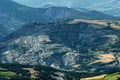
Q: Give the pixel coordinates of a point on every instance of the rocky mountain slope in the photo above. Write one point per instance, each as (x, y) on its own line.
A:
(100, 5)
(80, 46)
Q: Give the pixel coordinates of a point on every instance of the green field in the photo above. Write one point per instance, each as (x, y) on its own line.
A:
(113, 76)
(7, 74)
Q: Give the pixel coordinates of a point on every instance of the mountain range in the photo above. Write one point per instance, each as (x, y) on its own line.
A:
(107, 6)
(13, 15)
(111, 7)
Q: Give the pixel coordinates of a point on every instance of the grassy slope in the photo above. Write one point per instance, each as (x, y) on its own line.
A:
(100, 22)
(7, 74)
(113, 76)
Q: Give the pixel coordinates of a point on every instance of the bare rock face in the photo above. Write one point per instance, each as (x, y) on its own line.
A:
(80, 47)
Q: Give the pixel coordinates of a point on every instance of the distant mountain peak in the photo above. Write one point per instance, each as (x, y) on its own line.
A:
(49, 5)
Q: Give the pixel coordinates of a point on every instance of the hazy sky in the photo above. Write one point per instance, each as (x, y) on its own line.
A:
(67, 3)
(39, 3)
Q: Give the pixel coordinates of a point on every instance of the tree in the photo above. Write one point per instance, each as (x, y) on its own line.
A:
(118, 78)
(109, 24)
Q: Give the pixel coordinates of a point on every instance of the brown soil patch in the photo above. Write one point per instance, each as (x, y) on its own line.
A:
(104, 58)
(32, 72)
(94, 78)
(76, 66)
(89, 21)
(99, 22)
